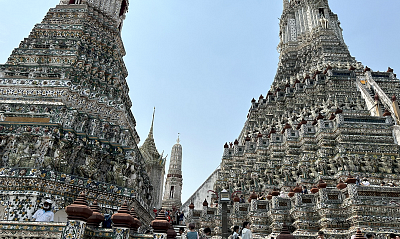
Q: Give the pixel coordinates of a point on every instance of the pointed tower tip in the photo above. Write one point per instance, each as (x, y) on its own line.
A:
(152, 124)
(178, 140)
(285, 4)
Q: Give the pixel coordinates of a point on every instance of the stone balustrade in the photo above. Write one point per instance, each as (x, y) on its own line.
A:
(30, 230)
(336, 212)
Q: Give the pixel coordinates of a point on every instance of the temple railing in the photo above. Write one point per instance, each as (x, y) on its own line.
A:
(382, 95)
(365, 95)
(31, 230)
(52, 230)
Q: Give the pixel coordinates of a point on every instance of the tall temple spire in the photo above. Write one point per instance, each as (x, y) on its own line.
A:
(113, 9)
(152, 124)
(173, 184)
(310, 39)
(149, 143)
(322, 120)
(155, 165)
(71, 76)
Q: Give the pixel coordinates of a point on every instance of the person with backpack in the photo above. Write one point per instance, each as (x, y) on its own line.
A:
(192, 234)
(246, 232)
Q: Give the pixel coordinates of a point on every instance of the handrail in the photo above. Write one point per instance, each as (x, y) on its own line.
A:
(382, 95)
(368, 99)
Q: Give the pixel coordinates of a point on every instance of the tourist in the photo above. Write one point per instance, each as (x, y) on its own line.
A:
(241, 200)
(107, 223)
(155, 211)
(246, 232)
(321, 235)
(383, 183)
(207, 233)
(304, 190)
(391, 184)
(45, 214)
(177, 217)
(365, 182)
(235, 234)
(181, 231)
(392, 236)
(192, 234)
(370, 235)
(282, 194)
(181, 216)
(358, 181)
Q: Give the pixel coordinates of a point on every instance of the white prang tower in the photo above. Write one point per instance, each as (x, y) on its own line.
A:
(173, 184)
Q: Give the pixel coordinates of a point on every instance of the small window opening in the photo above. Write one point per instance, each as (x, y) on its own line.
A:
(326, 125)
(293, 134)
(171, 192)
(321, 12)
(309, 129)
(277, 138)
(123, 8)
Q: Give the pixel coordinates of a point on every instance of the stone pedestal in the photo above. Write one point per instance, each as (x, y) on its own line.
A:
(160, 235)
(121, 233)
(74, 229)
(78, 213)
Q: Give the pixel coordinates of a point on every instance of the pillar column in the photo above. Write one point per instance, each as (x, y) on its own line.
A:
(160, 226)
(122, 222)
(78, 213)
(190, 216)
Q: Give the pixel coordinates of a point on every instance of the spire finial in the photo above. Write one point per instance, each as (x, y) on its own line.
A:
(285, 4)
(177, 141)
(152, 123)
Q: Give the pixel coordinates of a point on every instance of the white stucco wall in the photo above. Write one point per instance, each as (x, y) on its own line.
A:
(201, 193)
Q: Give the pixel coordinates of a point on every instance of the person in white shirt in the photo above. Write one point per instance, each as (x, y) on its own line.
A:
(246, 232)
(235, 232)
(45, 214)
(365, 182)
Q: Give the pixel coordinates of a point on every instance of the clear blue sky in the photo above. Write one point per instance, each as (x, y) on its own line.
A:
(200, 62)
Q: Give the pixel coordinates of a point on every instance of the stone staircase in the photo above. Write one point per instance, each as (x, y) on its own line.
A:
(176, 228)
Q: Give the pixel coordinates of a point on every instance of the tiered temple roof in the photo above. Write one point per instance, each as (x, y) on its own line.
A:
(325, 117)
(66, 123)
